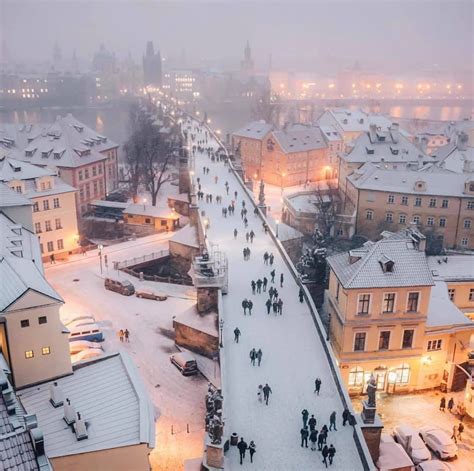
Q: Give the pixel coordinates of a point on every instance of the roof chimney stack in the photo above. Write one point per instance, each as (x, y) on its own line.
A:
(462, 141)
(80, 428)
(373, 132)
(56, 395)
(69, 413)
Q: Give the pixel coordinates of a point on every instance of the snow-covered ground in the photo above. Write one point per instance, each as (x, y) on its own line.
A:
(178, 400)
(293, 355)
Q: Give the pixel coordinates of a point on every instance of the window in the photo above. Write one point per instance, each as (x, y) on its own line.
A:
(444, 203)
(46, 205)
(364, 302)
(432, 203)
(148, 221)
(41, 248)
(95, 188)
(369, 214)
(408, 335)
(442, 222)
(402, 219)
(29, 354)
(163, 223)
(388, 302)
(403, 373)
(45, 350)
(36, 207)
(417, 201)
(434, 344)
(56, 203)
(47, 225)
(389, 217)
(430, 221)
(384, 340)
(37, 227)
(50, 246)
(42, 320)
(94, 171)
(81, 193)
(471, 294)
(60, 244)
(467, 224)
(25, 323)
(86, 173)
(416, 220)
(404, 200)
(100, 169)
(412, 305)
(470, 205)
(80, 175)
(57, 222)
(18, 189)
(356, 376)
(464, 241)
(451, 293)
(391, 199)
(359, 342)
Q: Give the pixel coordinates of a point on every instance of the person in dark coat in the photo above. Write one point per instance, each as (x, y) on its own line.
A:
(252, 450)
(331, 453)
(272, 274)
(275, 293)
(253, 285)
(324, 433)
(271, 258)
(305, 415)
(265, 258)
(332, 421)
(312, 423)
(275, 307)
(450, 405)
(304, 437)
(270, 292)
(267, 390)
(442, 404)
(259, 285)
(237, 334)
(250, 306)
(313, 437)
(253, 356)
(242, 446)
(345, 416)
(325, 455)
(320, 441)
(301, 295)
(259, 356)
(280, 306)
(265, 282)
(245, 305)
(269, 305)
(317, 385)
(281, 280)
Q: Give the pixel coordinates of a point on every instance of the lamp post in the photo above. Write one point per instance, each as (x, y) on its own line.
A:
(100, 247)
(221, 325)
(144, 202)
(277, 222)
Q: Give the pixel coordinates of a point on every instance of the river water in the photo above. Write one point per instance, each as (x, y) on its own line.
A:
(113, 121)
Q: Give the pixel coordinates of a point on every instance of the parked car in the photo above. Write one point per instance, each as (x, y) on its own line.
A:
(89, 332)
(408, 437)
(433, 465)
(86, 354)
(185, 363)
(438, 440)
(81, 320)
(148, 294)
(123, 286)
(76, 346)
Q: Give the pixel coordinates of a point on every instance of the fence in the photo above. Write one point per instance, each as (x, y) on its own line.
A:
(143, 259)
(161, 279)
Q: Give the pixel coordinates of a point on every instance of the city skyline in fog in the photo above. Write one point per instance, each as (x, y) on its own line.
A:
(400, 38)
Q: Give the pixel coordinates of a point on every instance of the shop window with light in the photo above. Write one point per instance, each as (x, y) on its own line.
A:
(356, 376)
(408, 335)
(363, 304)
(412, 304)
(403, 374)
(29, 354)
(434, 344)
(46, 350)
(359, 341)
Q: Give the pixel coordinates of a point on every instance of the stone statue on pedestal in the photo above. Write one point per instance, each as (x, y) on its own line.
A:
(261, 195)
(371, 390)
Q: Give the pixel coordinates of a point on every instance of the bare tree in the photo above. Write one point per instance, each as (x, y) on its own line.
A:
(267, 107)
(327, 210)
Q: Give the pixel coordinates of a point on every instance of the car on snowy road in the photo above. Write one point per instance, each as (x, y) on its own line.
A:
(433, 465)
(438, 441)
(148, 294)
(119, 286)
(185, 363)
(412, 443)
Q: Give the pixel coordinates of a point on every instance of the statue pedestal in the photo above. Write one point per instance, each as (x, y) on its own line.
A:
(368, 413)
(372, 432)
(214, 457)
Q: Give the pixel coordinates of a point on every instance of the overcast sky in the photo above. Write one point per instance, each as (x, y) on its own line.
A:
(393, 36)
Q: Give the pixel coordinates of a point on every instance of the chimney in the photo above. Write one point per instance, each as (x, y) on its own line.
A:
(373, 133)
(38, 441)
(31, 421)
(9, 399)
(80, 428)
(69, 413)
(462, 141)
(467, 166)
(395, 132)
(56, 395)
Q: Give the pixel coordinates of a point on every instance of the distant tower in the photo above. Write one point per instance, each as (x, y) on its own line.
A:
(151, 66)
(75, 67)
(247, 64)
(57, 55)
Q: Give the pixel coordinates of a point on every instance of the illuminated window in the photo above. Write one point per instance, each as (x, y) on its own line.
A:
(45, 350)
(356, 376)
(29, 354)
(403, 373)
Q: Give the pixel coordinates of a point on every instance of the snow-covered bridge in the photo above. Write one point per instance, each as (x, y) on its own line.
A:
(294, 348)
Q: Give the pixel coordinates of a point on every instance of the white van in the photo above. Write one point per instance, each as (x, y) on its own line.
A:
(89, 332)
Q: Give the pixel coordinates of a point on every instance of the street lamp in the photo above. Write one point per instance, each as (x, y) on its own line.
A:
(221, 325)
(277, 222)
(100, 247)
(144, 201)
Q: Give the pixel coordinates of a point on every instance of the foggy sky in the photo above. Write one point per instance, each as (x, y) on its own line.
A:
(393, 36)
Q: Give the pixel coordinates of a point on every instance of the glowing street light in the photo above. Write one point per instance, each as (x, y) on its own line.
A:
(144, 202)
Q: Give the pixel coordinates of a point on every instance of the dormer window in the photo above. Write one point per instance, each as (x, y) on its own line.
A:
(370, 150)
(78, 128)
(345, 121)
(386, 264)
(394, 151)
(30, 152)
(420, 185)
(270, 145)
(44, 155)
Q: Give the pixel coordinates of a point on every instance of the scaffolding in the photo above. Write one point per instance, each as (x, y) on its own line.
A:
(210, 269)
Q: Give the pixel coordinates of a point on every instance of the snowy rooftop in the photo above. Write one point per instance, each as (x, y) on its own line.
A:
(355, 120)
(331, 133)
(436, 183)
(410, 267)
(285, 232)
(12, 169)
(109, 395)
(300, 139)
(186, 236)
(9, 197)
(152, 211)
(442, 311)
(254, 130)
(452, 267)
(456, 159)
(205, 323)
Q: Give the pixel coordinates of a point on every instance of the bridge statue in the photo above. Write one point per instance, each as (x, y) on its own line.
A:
(261, 195)
(371, 390)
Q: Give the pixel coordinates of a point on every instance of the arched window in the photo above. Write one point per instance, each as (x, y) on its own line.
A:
(356, 376)
(403, 373)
